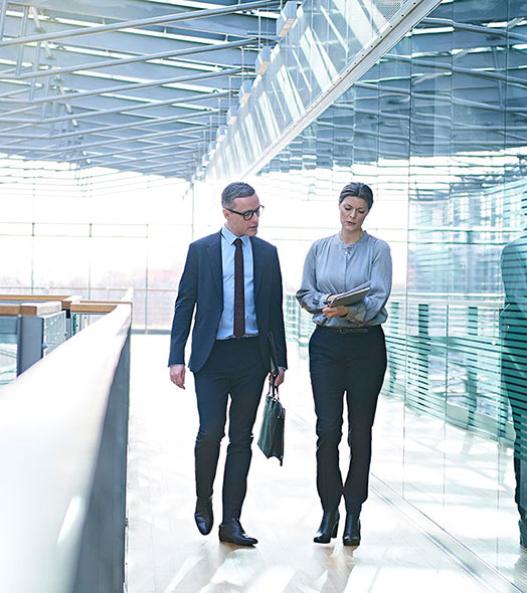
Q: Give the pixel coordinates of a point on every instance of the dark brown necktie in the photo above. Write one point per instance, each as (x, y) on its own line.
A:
(239, 291)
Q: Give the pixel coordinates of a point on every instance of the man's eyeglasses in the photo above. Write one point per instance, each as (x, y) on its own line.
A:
(247, 214)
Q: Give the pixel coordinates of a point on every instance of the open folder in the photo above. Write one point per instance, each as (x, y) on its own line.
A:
(350, 297)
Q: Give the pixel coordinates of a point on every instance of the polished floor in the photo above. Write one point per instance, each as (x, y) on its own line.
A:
(432, 522)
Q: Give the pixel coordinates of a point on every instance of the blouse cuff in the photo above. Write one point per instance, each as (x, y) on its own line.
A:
(356, 313)
(322, 300)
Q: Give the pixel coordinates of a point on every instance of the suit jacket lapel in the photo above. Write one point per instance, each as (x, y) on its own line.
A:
(214, 257)
(258, 266)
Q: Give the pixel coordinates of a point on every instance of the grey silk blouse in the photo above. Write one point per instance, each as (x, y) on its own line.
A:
(331, 267)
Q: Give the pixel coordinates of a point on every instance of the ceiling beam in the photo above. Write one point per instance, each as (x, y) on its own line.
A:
(195, 50)
(181, 155)
(144, 22)
(487, 31)
(103, 129)
(447, 68)
(94, 121)
(98, 106)
(105, 9)
(169, 168)
(144, 106)
(118, 142)
(55, 152)
(163, 160)
(123, 88)
(137, 41)
(153, 150)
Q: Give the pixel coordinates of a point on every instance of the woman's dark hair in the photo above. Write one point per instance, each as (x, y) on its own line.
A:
(357, 190)
(238, 189)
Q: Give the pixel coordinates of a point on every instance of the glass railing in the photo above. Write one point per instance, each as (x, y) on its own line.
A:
(443, 358)
(8, 347)
(30, 328)
(63, 433)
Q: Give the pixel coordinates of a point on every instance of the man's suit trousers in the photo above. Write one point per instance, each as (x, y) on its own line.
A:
(234, 368)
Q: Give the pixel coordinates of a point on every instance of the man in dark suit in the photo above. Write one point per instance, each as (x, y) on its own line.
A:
(513, 326)
(233, 280)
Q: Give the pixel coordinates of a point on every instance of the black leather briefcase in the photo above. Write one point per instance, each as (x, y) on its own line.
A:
(271, 439)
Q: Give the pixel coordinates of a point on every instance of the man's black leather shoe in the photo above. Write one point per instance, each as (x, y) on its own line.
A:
(203, 515)
(351, 536)
(328, 527)
(233, 533)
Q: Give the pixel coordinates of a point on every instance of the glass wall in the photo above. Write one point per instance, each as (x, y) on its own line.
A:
(438, 128)
(94, 234)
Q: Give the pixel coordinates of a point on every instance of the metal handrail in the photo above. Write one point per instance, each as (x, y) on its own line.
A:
(52, 424)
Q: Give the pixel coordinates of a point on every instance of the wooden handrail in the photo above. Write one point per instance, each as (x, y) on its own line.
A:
(93, 307)
(10, 309)
(20, 304)
(41, 308)
(96, 307)
(65, 300)
(30, 309)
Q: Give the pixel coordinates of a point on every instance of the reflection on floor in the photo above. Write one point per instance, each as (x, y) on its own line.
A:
(402, 549)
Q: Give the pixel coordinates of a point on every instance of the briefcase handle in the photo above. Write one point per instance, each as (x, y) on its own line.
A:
(273, 357)
(273, 365)
(273, 389)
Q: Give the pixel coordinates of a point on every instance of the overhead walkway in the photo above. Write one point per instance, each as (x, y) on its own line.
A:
(404, 547)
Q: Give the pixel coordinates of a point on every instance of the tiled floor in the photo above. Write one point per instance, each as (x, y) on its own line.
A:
(453, 479)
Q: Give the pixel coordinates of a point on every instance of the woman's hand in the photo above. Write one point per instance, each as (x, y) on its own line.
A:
(340, 311)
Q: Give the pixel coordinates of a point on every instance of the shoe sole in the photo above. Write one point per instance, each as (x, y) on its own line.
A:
(226, 540)
(204, 532)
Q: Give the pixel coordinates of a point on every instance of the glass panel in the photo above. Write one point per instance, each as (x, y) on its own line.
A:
(60, 262)
(8, 348)
(437, 127)
(16, 270)
(93, 234)
(327, 36)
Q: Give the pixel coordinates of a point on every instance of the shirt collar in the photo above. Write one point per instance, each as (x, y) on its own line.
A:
(230, 237)
(340, 242)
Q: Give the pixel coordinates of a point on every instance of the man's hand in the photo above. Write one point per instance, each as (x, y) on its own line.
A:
(279, 379)
(177, 375)
(340, 311)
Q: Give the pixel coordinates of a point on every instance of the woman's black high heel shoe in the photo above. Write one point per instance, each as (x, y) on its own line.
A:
(328, 528)
(351, 535)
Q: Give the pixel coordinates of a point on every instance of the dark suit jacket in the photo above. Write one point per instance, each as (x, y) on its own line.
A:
(201, 286)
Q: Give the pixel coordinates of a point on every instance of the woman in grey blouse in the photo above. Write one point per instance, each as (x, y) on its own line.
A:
(347, 355)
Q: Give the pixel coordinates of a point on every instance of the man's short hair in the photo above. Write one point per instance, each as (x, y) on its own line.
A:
(238, 189)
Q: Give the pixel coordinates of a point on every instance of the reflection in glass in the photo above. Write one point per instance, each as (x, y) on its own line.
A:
(438, 129)
(514, 360)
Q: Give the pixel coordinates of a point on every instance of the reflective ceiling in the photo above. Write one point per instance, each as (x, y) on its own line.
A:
(134, 85)
(140, 85)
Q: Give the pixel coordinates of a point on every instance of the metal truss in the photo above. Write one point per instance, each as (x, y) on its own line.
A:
(132, 86)
(143, 86)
